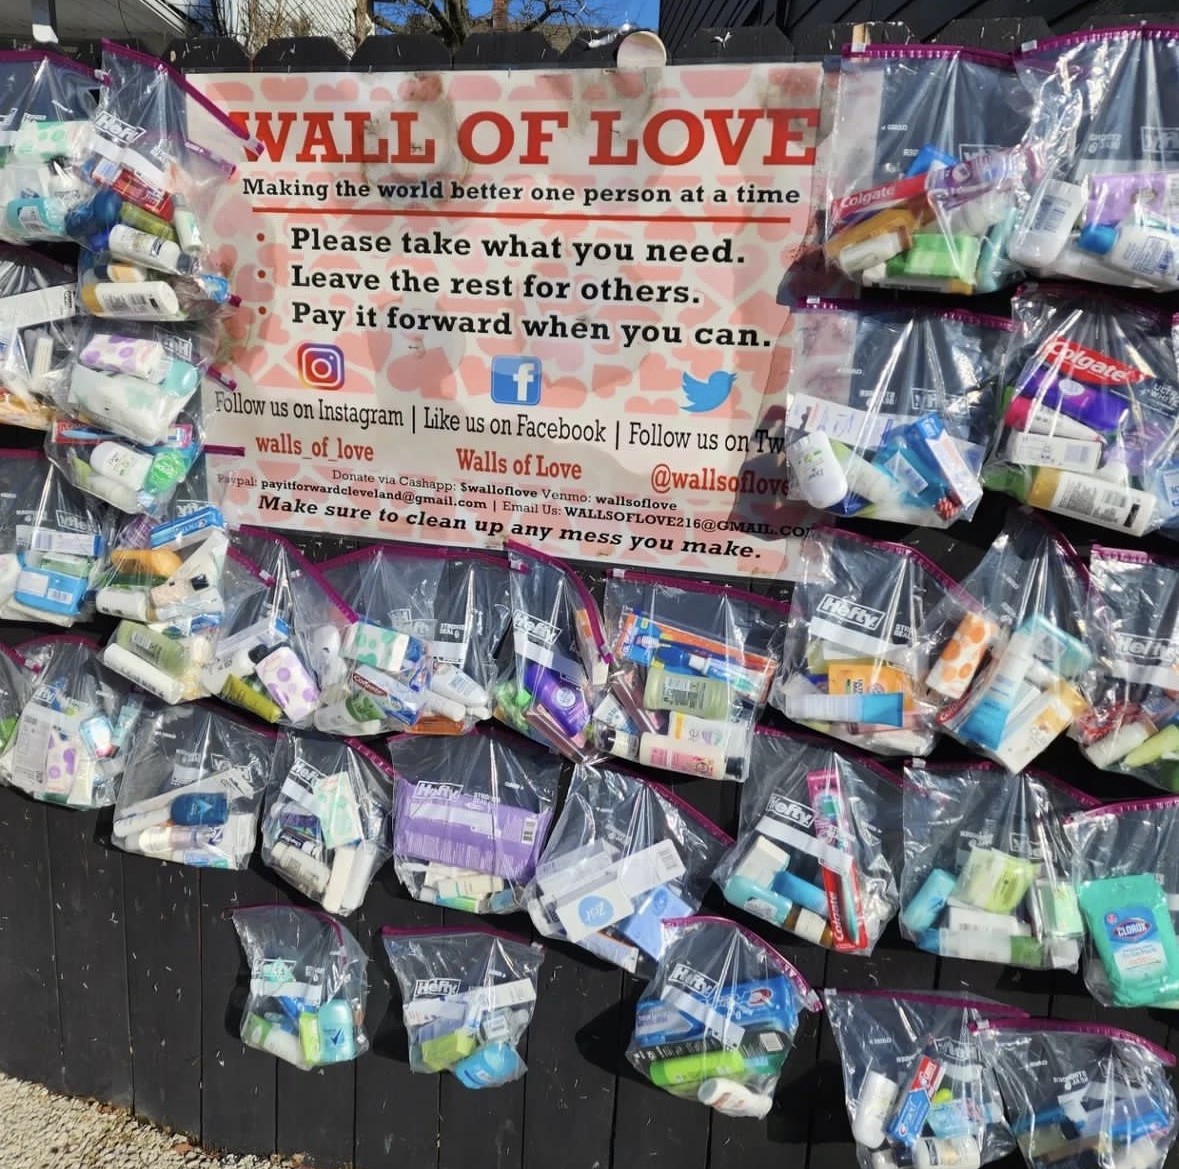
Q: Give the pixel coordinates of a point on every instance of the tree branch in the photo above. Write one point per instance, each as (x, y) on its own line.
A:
(550, 9)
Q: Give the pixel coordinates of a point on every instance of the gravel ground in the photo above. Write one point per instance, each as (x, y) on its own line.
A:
(39, 1130)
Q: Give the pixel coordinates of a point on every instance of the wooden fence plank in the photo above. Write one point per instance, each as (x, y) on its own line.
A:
(162, 908)
(92, 958)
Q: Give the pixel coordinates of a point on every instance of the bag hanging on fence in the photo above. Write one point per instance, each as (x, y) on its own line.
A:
(558, 659)
(471, 817)
(326, 827)
(624, 856)
(169, 653)
(917, 1087)
(70, 745)
(890, 410)
(39, 327)
(718, 1018)
(1091, 410)
(467, 995)
(988, 866)
(15, 685)
(1099, 204)
(1133, 607)
(308, 986)
(850, 666)
(132, 478)
(48, 103)
(192, 787)
(429, 621)
(53, 540)
(818, 849)
(1126, 876)
(168, 570)
(158, 154)
(692, 667)
(1022, 613)
(280, 633)
(1082, 1094)
(922, 181)
(134, 380)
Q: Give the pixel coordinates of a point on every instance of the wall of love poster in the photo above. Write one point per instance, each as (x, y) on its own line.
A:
(532, 303)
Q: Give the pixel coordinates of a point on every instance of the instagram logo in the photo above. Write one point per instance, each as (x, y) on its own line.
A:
(321, 367)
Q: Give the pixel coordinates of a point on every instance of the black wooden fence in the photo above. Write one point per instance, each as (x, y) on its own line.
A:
(121, 978)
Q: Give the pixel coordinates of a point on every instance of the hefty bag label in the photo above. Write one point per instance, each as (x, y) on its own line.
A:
(1153, 661)
(729, 1011)
(857, 626)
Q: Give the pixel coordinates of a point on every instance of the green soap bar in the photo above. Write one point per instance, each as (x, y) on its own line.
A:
(446, 1050)
(309, 1039)
(933, 254)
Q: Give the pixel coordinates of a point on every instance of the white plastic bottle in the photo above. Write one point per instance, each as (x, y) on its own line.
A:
(123, 464)
(951, 1153)
(873, 1108)
(817, 472)
(127, 243)
(1047, 224)
(733, 1099)
(450, 682)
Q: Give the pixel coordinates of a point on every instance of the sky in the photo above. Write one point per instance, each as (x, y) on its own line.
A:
(641, 13)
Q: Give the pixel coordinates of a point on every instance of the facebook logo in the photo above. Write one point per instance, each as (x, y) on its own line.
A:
(515, 381)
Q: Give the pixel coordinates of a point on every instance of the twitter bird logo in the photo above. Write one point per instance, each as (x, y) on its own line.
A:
(707, 395)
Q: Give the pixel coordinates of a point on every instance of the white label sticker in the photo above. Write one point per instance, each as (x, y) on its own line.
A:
(39, 307)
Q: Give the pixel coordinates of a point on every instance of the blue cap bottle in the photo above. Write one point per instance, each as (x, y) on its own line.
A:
(490, 1066)
(337, 1033)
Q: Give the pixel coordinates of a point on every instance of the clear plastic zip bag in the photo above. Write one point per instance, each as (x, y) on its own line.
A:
(1080, 1094)
(308, 986)
(471, 817)
(160, 571)
(557, 660)
(15, 685)
(918, 1089)
(278, 634)
(1129, 727)
(624, 856)
(158, 154)
(851, 666)
(692, 667)
(988, 866)
(326, 827)
(174, 597)
(818, 849)
(890, 409)
(1091, 410)
(1008, 652)
(1126, 876)
(53, 542)
(130, 476)
(1100, 203)
(923, 180)
(49, 103)
(717, 1021)
(427, 627)
(39, 327)
(75, 730)
(193, 786)
(467, 997)
(135, 379)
